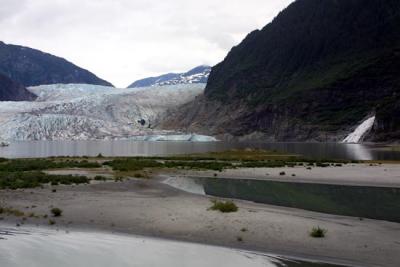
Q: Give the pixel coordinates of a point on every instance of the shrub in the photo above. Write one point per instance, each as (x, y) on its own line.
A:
(224, 206)
(133, 164)
(23, 179)
(56, 212)
(44, 164)
(52, 222)
(200, 165)
(100, 178)
(318, 232)
(322, 165)
(11, 211)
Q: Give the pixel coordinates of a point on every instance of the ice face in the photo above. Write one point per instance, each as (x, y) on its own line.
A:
(81, 111)
(175, 137)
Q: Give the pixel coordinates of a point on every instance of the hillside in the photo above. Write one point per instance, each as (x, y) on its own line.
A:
(197, 75)
(314, 73)
(31, 67)
(12, 91)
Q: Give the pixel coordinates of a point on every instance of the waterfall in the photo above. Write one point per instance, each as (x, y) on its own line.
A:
(360, 131)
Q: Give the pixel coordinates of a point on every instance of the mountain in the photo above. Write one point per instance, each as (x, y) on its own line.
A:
(197, 75)
(318, 70)
(31, 67)
(12, 91)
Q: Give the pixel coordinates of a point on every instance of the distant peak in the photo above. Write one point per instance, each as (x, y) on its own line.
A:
(198, 74)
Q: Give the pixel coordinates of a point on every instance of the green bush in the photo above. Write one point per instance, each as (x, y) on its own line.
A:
(100, 178)
(224, 206)
(199, 165)
(132, 164)
(322, 164)
(56, 212)
(44, 164)
(15, 180)
(318, 232)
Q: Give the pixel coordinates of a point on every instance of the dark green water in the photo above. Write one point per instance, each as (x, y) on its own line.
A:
(358, 201)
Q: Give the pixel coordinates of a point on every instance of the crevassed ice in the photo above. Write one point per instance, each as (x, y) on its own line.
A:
(82, 111)
(175, 137)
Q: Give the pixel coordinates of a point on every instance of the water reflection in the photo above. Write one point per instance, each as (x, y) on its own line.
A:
(27, 149)
(41, 248)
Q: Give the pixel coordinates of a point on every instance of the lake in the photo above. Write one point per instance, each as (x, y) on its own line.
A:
(373, 202)
(41, 247)
(125, 148)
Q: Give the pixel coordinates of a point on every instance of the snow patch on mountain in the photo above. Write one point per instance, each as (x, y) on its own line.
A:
(197, 75)
(81, 112)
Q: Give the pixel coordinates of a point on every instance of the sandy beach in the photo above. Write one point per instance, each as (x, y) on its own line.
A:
(150, 208)
(363, 174)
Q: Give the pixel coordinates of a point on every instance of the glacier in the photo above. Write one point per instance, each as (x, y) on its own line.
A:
(87, 112)
(174, 137)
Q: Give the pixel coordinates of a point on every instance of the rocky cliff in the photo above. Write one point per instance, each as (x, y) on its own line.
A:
(12, 91)
(314, 73)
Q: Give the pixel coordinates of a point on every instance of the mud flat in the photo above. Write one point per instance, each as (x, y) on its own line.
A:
(150, 208)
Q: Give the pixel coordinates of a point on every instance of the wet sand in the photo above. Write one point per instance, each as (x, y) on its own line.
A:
(150, 208)
(385, 175)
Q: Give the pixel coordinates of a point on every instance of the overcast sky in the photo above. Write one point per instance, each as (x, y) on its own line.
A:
(125, 40)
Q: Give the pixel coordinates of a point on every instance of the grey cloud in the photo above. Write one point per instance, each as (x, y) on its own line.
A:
(123, 40)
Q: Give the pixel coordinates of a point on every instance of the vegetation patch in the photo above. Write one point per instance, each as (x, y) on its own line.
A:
(224, 206)
(15, 180)
(133, 164)
(56, 212)
(11, 211)
(199, 165)
(100, 178)
(138, 164)
(240, 155)
(318, 232)
(18, 165)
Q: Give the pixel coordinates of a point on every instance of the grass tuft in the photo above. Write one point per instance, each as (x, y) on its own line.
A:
(224, 206)
(318, 232)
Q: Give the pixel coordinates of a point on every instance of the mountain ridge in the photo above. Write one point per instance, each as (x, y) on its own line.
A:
(312, 74)
(196, 75)
(32, 67)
